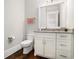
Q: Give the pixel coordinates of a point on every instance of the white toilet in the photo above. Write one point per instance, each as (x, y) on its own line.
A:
(27, 44)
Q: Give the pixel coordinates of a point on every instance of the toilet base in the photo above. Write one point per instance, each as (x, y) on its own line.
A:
(26, 50)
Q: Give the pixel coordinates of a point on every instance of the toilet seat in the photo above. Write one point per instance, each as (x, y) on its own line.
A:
(26, 43)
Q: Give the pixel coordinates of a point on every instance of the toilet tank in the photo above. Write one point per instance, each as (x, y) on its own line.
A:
(29, 36)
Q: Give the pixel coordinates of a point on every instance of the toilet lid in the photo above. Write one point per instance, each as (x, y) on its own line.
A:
(26, 42)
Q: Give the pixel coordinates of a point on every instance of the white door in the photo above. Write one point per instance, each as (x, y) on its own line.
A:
(38, 46)
(50, 47)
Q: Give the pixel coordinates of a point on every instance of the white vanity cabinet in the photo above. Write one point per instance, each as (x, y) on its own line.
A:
(64, 46)
(45, 44)
(56, 45)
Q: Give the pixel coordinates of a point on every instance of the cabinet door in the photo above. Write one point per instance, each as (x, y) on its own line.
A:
(63, 54)
(50, 47)
(39, 46)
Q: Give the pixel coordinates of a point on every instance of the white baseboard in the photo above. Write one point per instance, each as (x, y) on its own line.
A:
(12, 50)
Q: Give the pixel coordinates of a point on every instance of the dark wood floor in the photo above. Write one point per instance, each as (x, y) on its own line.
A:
(20, 55)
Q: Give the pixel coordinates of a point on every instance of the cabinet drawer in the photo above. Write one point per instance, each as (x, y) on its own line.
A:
(67, 42)
(64, 36)
(63, 54)
(63, 46)
(46, 35)
(64, 40)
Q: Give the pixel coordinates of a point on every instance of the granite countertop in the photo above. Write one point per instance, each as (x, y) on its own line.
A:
(55, 31)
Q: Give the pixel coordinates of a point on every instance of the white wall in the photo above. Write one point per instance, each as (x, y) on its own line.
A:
(14, 22)
(31, 10)
(70, 14)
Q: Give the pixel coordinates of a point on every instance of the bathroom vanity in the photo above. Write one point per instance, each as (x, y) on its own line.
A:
(54, 44)
(57, 44)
